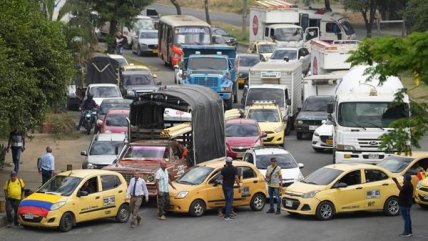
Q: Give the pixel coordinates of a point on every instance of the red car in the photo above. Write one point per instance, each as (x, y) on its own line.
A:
(241, 135)
(115, 121)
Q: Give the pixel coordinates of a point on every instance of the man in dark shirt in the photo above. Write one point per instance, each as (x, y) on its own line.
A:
(405, 201)
(88, 104)
(229, 175)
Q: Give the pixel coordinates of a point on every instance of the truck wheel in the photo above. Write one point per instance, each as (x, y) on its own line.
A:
(299, 135)
(228, 104)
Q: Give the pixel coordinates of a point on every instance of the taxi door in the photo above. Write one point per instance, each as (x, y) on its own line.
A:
(249, 181)
(377, 188)
(112, 195)
(214, 190)
(349, 197)
(88, 207)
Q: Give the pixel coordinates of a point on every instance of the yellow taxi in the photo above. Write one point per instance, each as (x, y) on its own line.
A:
(138, 67)
(342, 188)
(421, 193)
(199, 189)
(270, 120)
(76, 196)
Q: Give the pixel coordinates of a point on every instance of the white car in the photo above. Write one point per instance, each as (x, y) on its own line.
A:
(281, 55)
(261, 156)
(103, 91)
(120, 59)
(103, 150)
(322, 139)
(145, 42)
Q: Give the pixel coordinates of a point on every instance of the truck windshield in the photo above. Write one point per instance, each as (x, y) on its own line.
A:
(195, 175)
(143, 152)
(60, 185)
(284, 161)
(266, 94)
(192, 35)
(316, 104)
(370, 114)
(288, 34)
(138, 79)
(280, 54)
(264, 115)
(266, 48)
(349, 30)
(207, 63)
(322, 176)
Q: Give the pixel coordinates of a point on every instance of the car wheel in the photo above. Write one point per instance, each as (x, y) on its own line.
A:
(299, 135)
(123, 213)
(258, 202)
(318, 149)
(325, 210)
(66, 223)
(391, 208)
(197, 208)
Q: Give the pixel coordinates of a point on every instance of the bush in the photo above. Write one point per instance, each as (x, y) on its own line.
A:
(60, 125)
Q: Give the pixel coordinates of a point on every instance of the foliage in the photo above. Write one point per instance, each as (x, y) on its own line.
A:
(62, 124)
(397, 57)
(416, 14)
(367, 8)
(34, 64)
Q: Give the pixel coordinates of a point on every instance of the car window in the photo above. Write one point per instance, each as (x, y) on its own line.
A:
(90, 186)
(109, 182)
(241, 130)
(104, 92)
(419, 166)
(375, 175)
(284, 161)
(117, 120)
(352, 178)
(247, 172)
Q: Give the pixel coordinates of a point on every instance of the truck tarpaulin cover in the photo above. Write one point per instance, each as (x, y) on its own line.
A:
(207, 116)
(102, 69)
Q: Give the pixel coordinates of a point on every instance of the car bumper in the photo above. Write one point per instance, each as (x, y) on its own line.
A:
(359, 157)
(179, 205)
(421, 197)
(317, 142)
(304, 206)
(306, 128)
(274, 139)
(51, 220)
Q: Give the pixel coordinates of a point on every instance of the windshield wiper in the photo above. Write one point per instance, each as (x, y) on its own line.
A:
(373, 124)
(358, 125)
(53, 193)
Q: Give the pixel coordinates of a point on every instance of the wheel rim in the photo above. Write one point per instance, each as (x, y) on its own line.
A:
(326, 211)
(123, 214)
(198, 208)
(258, 202)
(393, 206)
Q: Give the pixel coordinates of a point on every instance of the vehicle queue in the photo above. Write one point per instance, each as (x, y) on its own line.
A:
(82, 195)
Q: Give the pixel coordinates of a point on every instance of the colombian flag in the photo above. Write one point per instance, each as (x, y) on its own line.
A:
(38, 204)
(421, 175)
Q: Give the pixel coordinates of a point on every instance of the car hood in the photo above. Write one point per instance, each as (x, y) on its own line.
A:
(179, 187)
(39, 204)
(242, 141)
(288, 175)
(142, 88)
(101, 159)
(312, 115)
(131, 165)
(149, 41)
(269, 126)
(299, 188)
(325, 130)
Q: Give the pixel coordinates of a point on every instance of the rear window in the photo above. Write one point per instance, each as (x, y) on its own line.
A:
(241, 130)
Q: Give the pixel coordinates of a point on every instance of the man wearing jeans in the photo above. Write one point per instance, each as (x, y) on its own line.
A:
(137, 189)
(162, 181)
(229, 175)
(17, 145)
(46, 165)
(405, 200)
(274, 179)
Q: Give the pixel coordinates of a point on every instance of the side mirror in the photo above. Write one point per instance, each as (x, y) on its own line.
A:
(340, 185)
(264, 134)
(301, 165)
(83, 153)
(330, 108)
(155, 76)
(288, 102)
(159, 83)
(82, 193)
(286, 59)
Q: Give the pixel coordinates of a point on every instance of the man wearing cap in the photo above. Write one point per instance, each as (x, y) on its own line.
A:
(405, 201)
(46, 165)
(14, 193)
(229, 175)
(274, 180)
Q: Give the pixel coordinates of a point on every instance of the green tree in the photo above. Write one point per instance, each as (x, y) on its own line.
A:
(367, 8)
(35, 64)
(416, 14)
(404, 57)
(177, 6)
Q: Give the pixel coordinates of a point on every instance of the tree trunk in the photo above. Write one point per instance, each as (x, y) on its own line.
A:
(177, 6)
(244, 17)
(111, 45)
(327, 5)
(207, 12)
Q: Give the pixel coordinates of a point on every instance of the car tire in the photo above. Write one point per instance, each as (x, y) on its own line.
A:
(123, 213)
(197, 208)
(299, 135)
(67, 222)
(258, 202)
(319, 150)
(325, 211)
(391, 207)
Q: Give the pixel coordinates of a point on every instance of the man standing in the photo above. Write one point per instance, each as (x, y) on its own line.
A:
(14, 193)
(120, 41)
(17, 145)
(162, 181)
(405, 201)
(274, 179)
(46, 165)
(229, 175)
(137, 189)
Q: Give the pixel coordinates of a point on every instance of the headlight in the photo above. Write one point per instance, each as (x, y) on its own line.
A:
(143, 45)
(91, 166)
(278, 129)
(419, 185)
(341, 147)
(316, 134)
(130, 93)
(309, 194)
(299, 122)
(226, 88)
(57, 205)
(182, 194)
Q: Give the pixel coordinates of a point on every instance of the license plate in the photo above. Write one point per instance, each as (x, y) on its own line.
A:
(239, 154)
(329, 142)
(28, 216)
(288, 203)
(373, 156)
(312, 128)
(155, 51)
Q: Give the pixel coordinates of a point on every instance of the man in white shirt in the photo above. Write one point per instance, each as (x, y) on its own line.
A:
(46, 165)
(136, 190)
(162, 181)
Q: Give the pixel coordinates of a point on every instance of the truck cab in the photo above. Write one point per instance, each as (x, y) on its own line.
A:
(263, 48)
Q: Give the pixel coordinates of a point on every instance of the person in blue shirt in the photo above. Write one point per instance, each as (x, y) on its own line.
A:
(46, 165)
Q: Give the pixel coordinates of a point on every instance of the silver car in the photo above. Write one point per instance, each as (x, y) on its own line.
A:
(145, 42)
(103, 150)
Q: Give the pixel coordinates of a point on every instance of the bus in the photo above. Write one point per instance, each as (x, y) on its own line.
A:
(178, 30)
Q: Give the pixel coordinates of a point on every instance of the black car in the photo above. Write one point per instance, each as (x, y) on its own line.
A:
(314, 111)
(222, 37)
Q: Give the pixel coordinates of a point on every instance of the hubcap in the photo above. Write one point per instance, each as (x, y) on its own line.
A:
(393, 207)
(258, 202)
(198, 208)
(326, 211)
(123, 214)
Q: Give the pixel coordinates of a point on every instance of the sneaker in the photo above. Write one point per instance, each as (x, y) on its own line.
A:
(405, 235)
(270, 211)
(162, 217)
(138, 220)
(227, 219)
(278, 212)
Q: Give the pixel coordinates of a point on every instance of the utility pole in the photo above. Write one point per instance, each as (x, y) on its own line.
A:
(244, 17)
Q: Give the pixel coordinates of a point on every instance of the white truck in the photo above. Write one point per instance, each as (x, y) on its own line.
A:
(361, 114)
(279, 82)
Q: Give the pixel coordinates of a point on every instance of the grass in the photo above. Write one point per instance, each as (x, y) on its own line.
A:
(235, 31)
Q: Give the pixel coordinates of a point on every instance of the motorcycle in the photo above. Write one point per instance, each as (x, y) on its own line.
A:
(90, 116)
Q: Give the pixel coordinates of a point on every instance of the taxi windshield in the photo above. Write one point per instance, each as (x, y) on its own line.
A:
(395, 164)
(322, 176)
(195, 175)
(146, 152)
(60, 185)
